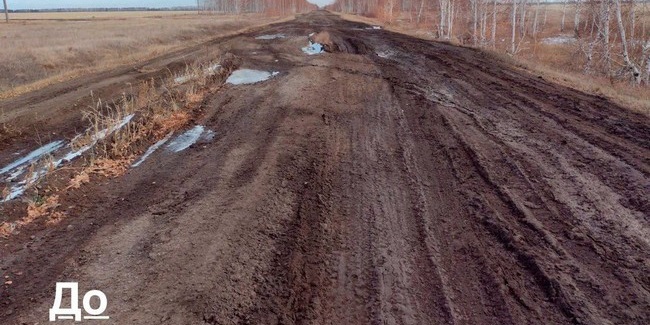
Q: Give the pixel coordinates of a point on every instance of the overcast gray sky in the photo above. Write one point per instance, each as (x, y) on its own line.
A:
(49, 4)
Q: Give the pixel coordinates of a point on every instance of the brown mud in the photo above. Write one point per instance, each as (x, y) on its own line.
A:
(399, 181)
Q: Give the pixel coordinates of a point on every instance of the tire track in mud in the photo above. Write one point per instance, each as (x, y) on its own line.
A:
(554, 288)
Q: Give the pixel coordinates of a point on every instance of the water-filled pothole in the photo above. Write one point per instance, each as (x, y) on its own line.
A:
(249, 76)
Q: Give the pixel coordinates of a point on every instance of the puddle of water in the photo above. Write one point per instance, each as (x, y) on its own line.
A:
(186, 139)
(561, 39)
(33, 156)
(249, 76)
(270, 37)
(152, 149)
(313, 48)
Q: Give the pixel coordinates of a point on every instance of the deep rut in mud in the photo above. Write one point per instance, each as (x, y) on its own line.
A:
(395, 181)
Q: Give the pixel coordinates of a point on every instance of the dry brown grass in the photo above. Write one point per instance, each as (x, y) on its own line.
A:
(158, 108)
(38, 208)
(36, 53)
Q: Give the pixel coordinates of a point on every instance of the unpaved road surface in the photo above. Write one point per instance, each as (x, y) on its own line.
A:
(402, 182)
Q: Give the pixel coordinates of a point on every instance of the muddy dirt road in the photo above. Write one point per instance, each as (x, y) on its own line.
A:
(398, 181)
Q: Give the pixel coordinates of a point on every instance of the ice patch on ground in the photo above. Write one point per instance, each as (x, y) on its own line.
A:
(313, 48)
(19, 188)
(17, 172)
(152, 149)
(208, 135)
(186, 139)
(15, 192)
(33, 156)
(374, 27)
(249, 76)
(561, 39)
(270, 37)
(94, 139)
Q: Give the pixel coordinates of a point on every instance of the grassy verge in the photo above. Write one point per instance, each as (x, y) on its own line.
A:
(153, 110)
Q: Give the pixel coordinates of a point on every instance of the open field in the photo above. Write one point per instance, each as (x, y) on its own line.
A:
(36, 53)
(391, 180)
(90, 15)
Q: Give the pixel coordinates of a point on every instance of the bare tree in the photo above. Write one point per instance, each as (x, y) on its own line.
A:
(513, 41)
(604, 32)
(576, 19)
(6, 10)
(535, 19)
(493, 37)
(632, 20)
(444, 7)
(522, 18)
(563, 15)
(646, 55)
(484, 15)
(636, 75)
(474, 5)
(420, 12)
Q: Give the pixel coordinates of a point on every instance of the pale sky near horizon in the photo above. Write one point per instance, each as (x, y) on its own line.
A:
(53, 4)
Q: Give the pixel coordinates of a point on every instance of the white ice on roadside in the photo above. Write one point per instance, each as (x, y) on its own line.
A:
(186, 139)
(94, 139)
(270, 37)
(17, 172)
(33, 156)
(249, 76)
(15, 192)
(19, 188)
(313, 48)
(152, 149)
(560, 39)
